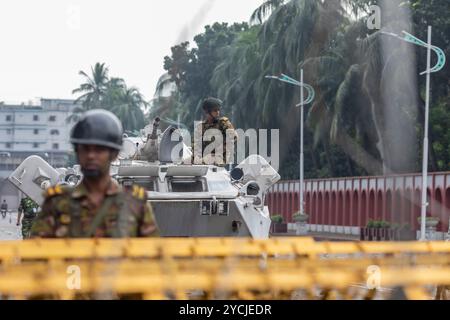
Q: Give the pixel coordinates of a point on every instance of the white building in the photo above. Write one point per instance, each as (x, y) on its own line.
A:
(27, 130)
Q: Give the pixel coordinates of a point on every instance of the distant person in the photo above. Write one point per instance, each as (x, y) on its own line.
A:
(4, 208)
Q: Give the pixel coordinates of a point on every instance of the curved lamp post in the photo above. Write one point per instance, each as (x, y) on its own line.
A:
(309, 99)
(439, 65)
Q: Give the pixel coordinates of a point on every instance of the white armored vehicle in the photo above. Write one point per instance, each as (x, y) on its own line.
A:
(187, 200)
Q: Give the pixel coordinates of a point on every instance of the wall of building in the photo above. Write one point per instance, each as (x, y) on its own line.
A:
(352, 202)
(27, 130)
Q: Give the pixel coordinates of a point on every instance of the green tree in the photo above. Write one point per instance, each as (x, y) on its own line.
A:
(128, 108)
(93, 90)
(101, 91)
(368, 113)
(192, 69)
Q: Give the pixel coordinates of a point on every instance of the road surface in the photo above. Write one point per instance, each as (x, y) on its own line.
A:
(8, 228)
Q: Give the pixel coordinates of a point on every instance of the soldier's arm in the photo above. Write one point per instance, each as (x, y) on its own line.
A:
(44, 225)
(197, 147)
(148, 227)
(226, 126)
(231, 127)
(230, 133)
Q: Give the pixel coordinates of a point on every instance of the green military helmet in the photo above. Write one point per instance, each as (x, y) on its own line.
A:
(98, 127)
(210, 103)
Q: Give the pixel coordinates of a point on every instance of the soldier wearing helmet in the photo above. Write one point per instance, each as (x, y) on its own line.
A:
(28, 208)
(211, 108)
(98, 206)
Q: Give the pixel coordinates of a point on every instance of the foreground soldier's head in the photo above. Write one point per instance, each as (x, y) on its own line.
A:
(97, 140)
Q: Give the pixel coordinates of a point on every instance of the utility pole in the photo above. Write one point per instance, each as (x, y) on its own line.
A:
(441, 59)
(303, 102)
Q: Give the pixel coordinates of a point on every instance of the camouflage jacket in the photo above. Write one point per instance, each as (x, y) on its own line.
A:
(27, 205)
(67, 212)
(222, 125)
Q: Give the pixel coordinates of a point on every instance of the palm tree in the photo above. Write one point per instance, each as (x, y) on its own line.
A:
(114, 91)
(128, 108)
(92, 91)
(278, 45)
(341, 114)
(235, 77)
(100, 91)
(364, 98)
(264, 10)
(343, 62)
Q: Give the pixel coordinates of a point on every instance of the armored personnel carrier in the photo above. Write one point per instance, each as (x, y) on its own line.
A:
(188, 200)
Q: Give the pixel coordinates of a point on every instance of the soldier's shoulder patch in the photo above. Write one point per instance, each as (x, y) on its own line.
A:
(138, 192)
(55, 191)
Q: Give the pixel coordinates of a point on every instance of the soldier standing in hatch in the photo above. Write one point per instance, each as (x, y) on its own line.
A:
(211, 108)
(28, 208)
(98, 206)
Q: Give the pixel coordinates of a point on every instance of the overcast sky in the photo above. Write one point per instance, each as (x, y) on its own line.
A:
(44, 43)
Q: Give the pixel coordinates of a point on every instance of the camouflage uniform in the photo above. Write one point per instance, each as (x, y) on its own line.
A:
(443, 293)
(67, 212)
(223, 124)
(29, 209)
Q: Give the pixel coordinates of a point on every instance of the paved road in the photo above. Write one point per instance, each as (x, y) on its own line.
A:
(8, 228)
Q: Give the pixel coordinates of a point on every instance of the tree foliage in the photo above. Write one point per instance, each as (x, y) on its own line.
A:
(368, 114)
(99, 91)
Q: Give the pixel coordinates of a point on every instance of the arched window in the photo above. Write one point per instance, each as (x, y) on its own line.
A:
(437, 207)
(407, 208)
(388, 207)
(346, 211)
(363, 210)
(397, 213)
(355, 218)
(326, 212)
(371, 212)
(334, 208)
(54, 132)
(340, 209)
(446, 216)
(379, 213)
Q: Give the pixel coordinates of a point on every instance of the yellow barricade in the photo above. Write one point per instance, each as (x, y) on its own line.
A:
(187, 268)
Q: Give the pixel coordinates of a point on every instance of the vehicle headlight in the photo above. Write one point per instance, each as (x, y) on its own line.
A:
(208, 208)
(222, 208)
(205, 208)
(72, 179)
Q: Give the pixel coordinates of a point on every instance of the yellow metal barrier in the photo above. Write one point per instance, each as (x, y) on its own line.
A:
(188, 247)
(285, 268)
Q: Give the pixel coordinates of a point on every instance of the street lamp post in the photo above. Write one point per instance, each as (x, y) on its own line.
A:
(425, 145)
(302, 158)
(303, 102)
(439, 65)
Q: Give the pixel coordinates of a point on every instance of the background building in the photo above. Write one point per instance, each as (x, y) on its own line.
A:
(34, 129)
